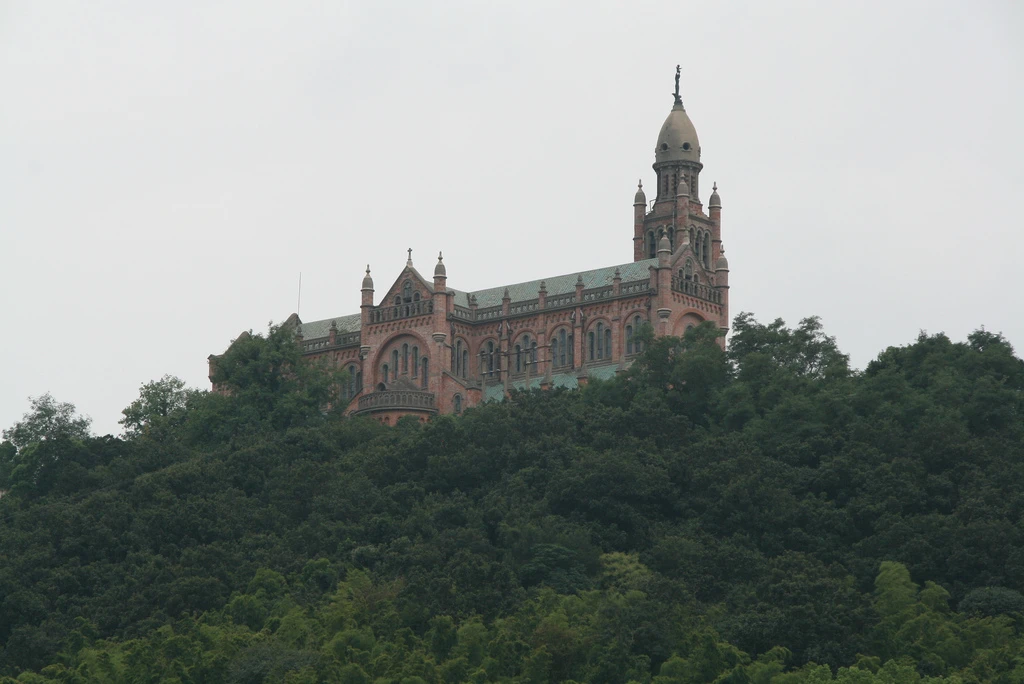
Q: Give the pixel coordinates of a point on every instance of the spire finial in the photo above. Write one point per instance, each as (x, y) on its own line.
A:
(640, 184)
(679, 100)
(409, 260)
(367, 269)
(714, 187)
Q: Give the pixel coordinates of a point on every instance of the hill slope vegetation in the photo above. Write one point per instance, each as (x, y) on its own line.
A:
(761, 515)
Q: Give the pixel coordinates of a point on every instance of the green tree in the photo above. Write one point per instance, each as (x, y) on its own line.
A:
(158, 401)
(270, 385)
(805, 351)
(47, 419)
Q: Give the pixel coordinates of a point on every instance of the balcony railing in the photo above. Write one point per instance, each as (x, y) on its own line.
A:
(698, 290)
(341, 340)
(635, 288)
(598, 293)
(393, 312)
(390, 400)
(551, 302)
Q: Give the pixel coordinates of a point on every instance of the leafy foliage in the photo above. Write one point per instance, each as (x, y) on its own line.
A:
(761, 515)
(159, 401)
(48, 419)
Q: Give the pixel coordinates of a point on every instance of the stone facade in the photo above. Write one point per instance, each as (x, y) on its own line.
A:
(421, 347)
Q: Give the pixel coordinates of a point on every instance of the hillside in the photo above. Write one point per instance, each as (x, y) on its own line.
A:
(766, 515)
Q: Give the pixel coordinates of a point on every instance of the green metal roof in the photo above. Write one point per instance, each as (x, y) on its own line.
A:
(346, 324)
(632, 272)
(558, 285)
(494, 392)
(606, 372)
(566, 380)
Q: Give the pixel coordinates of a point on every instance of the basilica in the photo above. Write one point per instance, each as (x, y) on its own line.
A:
(421, 347)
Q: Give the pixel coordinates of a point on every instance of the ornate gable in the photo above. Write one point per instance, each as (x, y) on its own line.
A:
(408, 287)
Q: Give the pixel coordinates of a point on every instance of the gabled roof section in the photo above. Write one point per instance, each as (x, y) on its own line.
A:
(559, 285)
(396, 286)
(315, 329)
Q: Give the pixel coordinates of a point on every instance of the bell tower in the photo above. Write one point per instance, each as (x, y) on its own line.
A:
(677, 168)
(677, 154)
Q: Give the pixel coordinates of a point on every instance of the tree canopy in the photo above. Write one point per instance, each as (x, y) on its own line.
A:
(761, 514)
(47, 419)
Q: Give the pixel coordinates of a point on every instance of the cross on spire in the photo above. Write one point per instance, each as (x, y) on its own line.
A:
(409, 262)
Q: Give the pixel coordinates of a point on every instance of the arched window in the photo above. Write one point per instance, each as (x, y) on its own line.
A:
(707, 250)
(351, 385)
(423, 374)
(608, 343)
(458, 358)
(407, 291)
(629, 340)
(637, 323)
(490, 357)
(405, 359)
(465, 361)
(554, 351)
(394, 362)
(415, 361)
(600, 340)
(688, 270)
(415, 296)
(398, 299)
(533, 357)
(590, 345)
(458, 403)
(652, 247)
(519, 359)
(384, 373)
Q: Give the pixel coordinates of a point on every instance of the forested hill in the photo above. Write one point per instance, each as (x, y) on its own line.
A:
(765, 515)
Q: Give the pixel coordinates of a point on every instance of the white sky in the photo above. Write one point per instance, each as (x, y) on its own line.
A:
(168, 168)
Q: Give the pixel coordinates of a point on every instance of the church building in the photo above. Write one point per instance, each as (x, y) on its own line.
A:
(421, 347)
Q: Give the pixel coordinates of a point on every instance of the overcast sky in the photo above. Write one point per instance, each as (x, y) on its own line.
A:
(167, 169)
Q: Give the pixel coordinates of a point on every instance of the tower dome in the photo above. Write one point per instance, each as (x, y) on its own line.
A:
(722, 264)
(640, 197)
(677, 140)
(367, 280)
